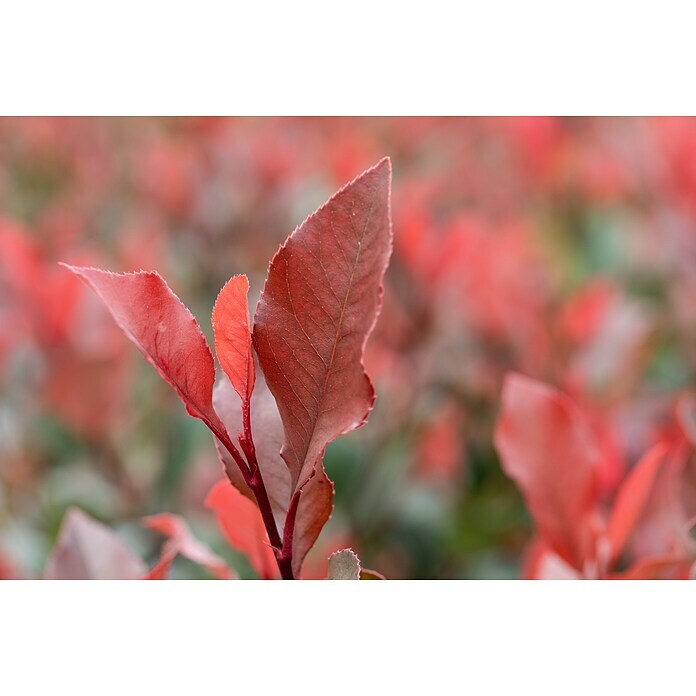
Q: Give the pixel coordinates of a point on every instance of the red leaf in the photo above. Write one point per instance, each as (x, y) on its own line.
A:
(321, 299)
(182, 542)
(666, 567)
(546, 447)
(314, 510)
(632, 497)
(233, 336)
(164, 330)
(241, 522)
(87, 550)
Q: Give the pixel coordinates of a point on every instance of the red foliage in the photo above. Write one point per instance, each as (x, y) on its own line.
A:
(309, 333)
(547, 447)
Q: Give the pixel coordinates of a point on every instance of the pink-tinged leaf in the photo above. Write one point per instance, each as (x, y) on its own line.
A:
(631, 499)
(233, 336)
(316, 500)
(164, 330)
(546, 447)
(321, 299)
(344, 565)
(180, 541)
(87, 550)
(268, 439)
(241, 523)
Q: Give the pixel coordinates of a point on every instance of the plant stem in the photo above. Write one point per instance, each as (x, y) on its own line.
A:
(254, 479)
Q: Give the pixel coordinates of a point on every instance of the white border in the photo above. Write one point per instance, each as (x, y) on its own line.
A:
(198, 637)
(366, 57)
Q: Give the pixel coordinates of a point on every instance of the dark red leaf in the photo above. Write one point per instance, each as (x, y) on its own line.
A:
(314, 510)
(321, 299)
(87, 550)
(164, 330)
(547, 448)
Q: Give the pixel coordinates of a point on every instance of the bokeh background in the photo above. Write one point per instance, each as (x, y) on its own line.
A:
(564, 249)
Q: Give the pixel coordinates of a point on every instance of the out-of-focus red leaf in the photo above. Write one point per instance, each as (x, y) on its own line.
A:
(667, 567)
(368, 574)
(631, 498)
(241, 522)
(663, 527)
(7, 569)
(319, 304)
(440, 455)
(164, 330)
(233, 336)
(87, 550)
(546, 447)
(541, 563)
(180, 541)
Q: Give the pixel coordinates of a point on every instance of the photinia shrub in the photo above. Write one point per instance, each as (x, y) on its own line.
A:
(320, 302)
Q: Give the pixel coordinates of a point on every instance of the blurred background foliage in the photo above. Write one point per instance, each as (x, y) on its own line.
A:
(564, 249)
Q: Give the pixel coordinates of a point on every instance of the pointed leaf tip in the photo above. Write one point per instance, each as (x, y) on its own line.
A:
(232, 330)
(319, 304)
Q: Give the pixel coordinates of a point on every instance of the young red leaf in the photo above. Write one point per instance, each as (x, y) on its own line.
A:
(164, 330)
(87, 550)
(547, 448)
(241, 522)
(180, 541)
(321, 299)
(632, 497)
(233, 336)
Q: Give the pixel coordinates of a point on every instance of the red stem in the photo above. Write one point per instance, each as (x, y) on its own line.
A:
(254, 479)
